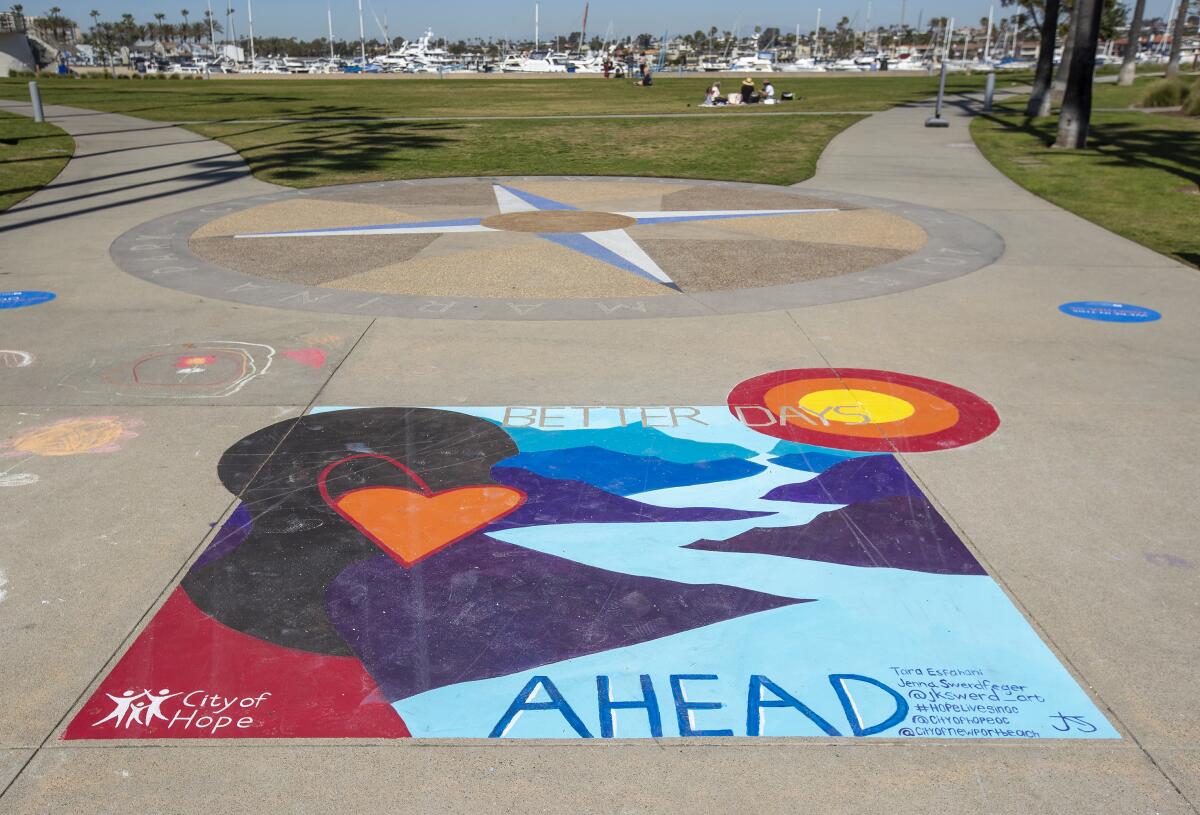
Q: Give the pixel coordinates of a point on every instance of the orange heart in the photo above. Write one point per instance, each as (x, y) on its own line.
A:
(411, 526)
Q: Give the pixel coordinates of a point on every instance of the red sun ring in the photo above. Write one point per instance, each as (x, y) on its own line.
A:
(976, 418)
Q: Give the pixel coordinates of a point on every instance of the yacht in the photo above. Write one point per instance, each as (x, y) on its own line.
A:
(421, 56)
(752, 64)
(713, 63)
(801, 65)
(909, 62)
(538, 62)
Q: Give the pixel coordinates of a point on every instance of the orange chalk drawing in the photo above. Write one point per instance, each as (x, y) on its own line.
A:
(69, 437)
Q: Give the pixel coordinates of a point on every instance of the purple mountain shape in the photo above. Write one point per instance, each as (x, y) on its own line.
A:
(483, 608)
(557, 501)
(852, 481)
(898, 532)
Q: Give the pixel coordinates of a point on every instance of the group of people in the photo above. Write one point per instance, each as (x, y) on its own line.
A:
(643, 71)
(747, 94)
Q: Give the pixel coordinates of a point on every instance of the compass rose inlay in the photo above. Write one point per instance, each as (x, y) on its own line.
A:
(599, 235)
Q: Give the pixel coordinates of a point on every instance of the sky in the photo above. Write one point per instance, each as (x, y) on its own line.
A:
(513, 19)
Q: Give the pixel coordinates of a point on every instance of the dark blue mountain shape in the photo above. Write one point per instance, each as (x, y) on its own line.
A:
(553, 501)
(853, 480)
(897, 532)
(786, 448)
(634, 440)
(810, 462)
(623, 474)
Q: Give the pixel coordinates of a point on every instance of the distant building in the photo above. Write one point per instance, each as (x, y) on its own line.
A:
(15, 53)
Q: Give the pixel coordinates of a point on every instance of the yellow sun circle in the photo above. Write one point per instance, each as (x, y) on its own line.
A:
(854, 406)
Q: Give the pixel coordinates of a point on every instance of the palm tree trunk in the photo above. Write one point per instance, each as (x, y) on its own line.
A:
(1040, 101)
(1129, 64)
(1064, 66)
(1177, 40)
(1077, 101)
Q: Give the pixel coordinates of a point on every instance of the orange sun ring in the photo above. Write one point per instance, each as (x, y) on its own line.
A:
(931, 413)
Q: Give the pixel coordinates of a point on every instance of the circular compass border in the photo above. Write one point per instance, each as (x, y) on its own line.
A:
(158, 251)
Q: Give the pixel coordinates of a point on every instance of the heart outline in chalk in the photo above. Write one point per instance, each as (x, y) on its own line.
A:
(515, 499)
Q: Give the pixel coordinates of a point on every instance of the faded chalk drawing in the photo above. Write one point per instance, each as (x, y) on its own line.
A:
(18, 479)
(201, 370)
(69, 437)
(3, 584)
(312, 357)
(15, 359)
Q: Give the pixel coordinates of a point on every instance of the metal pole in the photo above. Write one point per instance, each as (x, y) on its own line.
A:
(989, 92)
(817, 36)
(936, 119)
(35, 96)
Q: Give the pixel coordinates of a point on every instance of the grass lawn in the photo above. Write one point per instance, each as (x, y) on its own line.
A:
(235, 99)
(769, 150)
(1138, 178)
(31, 155)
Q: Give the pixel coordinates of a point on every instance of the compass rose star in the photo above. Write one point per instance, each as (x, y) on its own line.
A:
(599, 235)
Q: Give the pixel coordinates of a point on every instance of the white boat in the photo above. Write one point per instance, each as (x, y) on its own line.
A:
(712, 63)
(538, 62)
(910, 62)
(752, 64)
(421, 56)
(801, 65)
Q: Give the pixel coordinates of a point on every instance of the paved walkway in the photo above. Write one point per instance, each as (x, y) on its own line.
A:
(1082, 505)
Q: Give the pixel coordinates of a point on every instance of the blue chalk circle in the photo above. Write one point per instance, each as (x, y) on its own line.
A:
(1109, 312)
(20, 299)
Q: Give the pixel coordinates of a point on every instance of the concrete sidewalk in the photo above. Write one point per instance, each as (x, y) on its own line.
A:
(1081, 505)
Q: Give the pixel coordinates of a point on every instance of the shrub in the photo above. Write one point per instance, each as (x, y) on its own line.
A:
(1163, 93)
(1191, 105)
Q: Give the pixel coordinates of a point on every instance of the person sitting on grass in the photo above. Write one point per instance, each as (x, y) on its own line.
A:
(749, 94)
(713, 97)
(768, 93)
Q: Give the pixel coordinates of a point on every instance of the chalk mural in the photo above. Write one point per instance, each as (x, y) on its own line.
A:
(583, 573)
(70, 437)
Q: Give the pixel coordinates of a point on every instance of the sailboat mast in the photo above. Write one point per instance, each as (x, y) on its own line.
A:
(329, 16)
(816, 49)
(536, 23)
(362, 38)
(250, 18)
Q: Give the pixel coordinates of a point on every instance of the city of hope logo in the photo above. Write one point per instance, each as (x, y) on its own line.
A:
(195, 710)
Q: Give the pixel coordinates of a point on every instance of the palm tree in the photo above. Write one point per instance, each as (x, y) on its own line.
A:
(186, 28)
(158, 18)
(1041, 99)
(1129, 63)
(1076, 111)
(1177, 40)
